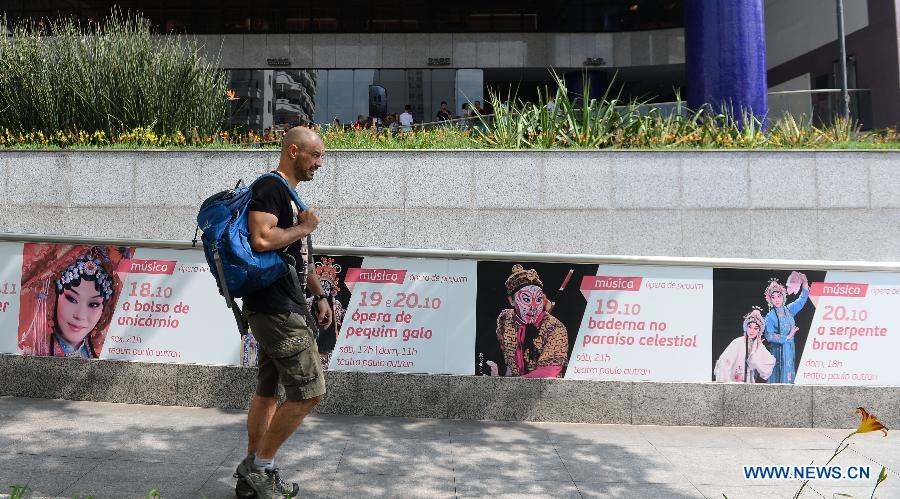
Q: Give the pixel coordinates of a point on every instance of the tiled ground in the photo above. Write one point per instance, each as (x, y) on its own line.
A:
(68, 449)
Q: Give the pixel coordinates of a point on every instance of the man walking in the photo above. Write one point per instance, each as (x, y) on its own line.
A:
(278, 319)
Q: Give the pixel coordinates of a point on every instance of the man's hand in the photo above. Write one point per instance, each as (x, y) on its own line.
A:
(309, 219)
(325, 314)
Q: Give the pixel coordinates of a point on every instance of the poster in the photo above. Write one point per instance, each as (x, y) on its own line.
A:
(761, 319)
(527, 317)
(490, 318)
(644, 323)
(10, 283)
(408, 315)
(170, 311)
(853, 336)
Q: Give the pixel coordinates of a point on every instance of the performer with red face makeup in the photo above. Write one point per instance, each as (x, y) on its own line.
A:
(534, 343)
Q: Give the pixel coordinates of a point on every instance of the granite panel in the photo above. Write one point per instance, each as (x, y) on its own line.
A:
(535, 48)
(695, 404)
(228, 387)
(791, 234)
(512, 50)
(496, 398)
(465, 51)
(854, 235)
(324, 53)
(167, 180)
(44, 377)
(558, 50)
(370, 227)
(507, 230)
(277, 46)
(843, 180)
(440, 45)
(416, 51)
(108, 222)
(647, 232)
(768, 405)
(493, 185)
(715, 180)
(577, 231)
(340, 393)
(646, 180)
(370, 50)
(102, 179)
(232, 52)
(118, 479)
(376, 182)
(716, 233)
(301, 50)
(255, 51)
(172, 224)
(34, 219)
(640, 48)
(835, 406)
(326, 233)
(130, 383)
(884, 179)
(439, 228)
(440, 181)
(780, 180)
(574, 401)
(487, 49)
(403, 395)
(393, 50)
(575, 180)
(36, 179)
(220, 171)
(346, 51)
(622, 48)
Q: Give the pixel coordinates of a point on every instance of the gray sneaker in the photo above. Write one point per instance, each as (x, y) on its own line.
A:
(256, 482)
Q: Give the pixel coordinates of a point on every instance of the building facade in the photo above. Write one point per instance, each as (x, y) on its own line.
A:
(296, 62)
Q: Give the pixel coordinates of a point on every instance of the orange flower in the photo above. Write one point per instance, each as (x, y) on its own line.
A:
(229, 94)
(869, 422)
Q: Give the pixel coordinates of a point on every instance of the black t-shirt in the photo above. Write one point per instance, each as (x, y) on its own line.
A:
(444, 115)
(270, 195)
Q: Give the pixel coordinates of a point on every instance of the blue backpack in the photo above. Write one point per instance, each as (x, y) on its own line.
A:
(238, 269)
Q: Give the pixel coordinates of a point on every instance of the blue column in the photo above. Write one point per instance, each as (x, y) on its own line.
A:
(725, 55)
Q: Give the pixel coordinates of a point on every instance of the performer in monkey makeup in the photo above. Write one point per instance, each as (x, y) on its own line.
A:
(534, 343)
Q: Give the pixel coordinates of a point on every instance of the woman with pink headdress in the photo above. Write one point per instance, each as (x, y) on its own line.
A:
(781, 327)
(69, 294)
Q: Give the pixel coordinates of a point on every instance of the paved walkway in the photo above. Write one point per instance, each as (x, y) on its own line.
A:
(68, 449)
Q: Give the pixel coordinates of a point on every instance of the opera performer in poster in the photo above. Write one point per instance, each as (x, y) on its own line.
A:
(746, 357)
(69, 296)
(535, 344)
(781, 328)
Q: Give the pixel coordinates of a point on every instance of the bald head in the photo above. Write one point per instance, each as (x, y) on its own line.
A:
(299, 136)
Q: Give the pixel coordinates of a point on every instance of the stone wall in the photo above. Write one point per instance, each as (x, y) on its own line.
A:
(831, 205)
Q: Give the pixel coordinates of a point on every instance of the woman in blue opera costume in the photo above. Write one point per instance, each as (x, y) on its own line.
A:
(781, 327)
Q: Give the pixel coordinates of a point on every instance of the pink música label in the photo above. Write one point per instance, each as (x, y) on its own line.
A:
(849, 290)
(611, 283)
(135, 266)
(381, 276)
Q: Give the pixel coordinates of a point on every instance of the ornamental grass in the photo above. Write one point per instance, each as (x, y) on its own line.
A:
(114, 77)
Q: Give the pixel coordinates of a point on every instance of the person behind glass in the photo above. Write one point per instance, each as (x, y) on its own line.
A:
(464, 116)
(360, 122)
(277, 316)
(406, 119)
(443, 113)
(781, 327)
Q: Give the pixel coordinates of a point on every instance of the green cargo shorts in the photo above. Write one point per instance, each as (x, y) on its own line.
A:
(287, 355)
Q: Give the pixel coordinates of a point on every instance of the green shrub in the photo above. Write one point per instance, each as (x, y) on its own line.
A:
(113, 76)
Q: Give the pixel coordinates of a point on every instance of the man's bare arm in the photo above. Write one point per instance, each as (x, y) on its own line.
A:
(265, 235)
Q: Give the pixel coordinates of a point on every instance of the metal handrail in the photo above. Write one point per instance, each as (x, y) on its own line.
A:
(737, 263)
